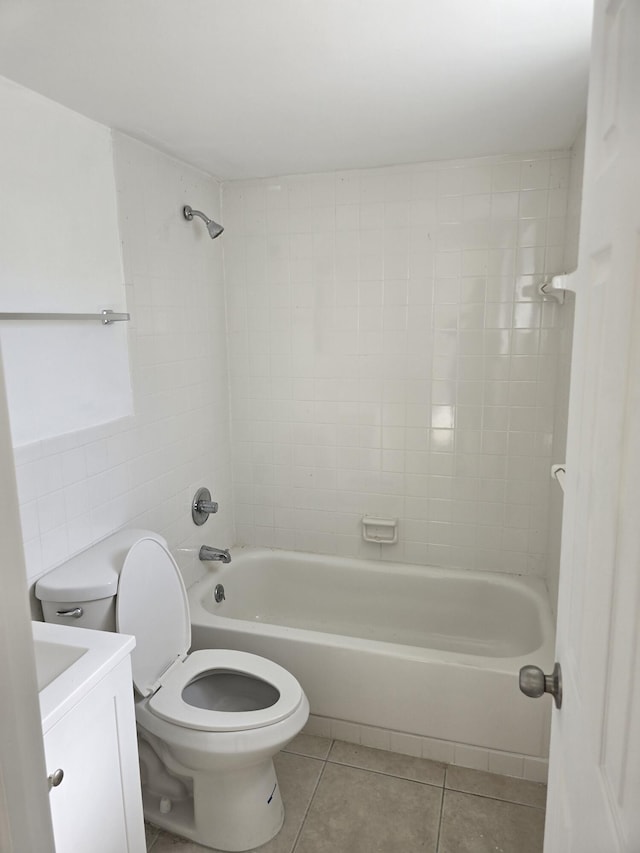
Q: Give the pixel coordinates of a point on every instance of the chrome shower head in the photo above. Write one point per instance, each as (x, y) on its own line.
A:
(214, 229)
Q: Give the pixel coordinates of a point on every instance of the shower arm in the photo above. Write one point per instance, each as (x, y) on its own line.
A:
(189, 213)
(214, 228)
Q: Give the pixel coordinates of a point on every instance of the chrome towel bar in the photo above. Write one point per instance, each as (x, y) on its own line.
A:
(106, 317)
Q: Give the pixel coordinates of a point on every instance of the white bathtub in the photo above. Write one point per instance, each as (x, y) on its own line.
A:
(426, 651)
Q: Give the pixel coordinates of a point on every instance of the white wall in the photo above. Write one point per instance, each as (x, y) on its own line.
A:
(145, 469)
(390, 356)
(60, 252)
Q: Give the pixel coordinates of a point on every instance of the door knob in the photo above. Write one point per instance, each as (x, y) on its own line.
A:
(533, 683)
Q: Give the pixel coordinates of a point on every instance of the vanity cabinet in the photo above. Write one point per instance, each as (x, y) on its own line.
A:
(97, 805)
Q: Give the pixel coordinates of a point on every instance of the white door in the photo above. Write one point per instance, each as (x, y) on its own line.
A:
(594, 779)
(25, 821)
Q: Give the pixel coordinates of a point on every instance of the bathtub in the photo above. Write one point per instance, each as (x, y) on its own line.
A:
(413, 649)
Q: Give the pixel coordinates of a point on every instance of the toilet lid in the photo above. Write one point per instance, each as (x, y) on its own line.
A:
(152, 605)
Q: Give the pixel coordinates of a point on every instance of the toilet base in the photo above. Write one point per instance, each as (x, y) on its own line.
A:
(216, 788)
(178, 821)
(234, 811)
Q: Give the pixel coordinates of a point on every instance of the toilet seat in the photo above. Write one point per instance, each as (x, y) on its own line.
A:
(167, 701)
(152, 605)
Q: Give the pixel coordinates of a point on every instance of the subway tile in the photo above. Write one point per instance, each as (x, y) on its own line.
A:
(51, 512)
(535, 174)
(347, 187)
(27, 453)
(536, 769)
(29, 519)
(502, 233)
(437, 750)
(471, 756)
(375, 738)
(405, 744)
(473, 289)
(505, 177)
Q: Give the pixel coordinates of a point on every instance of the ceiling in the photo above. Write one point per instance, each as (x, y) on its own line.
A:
(252, 88)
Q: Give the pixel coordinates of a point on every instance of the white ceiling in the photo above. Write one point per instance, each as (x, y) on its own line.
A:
(248, 88)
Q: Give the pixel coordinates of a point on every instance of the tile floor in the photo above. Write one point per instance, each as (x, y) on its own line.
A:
(343, 798)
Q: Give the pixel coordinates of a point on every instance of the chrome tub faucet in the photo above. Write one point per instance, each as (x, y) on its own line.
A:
(207, 552)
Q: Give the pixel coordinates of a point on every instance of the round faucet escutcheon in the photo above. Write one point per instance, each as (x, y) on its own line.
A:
(202, 506)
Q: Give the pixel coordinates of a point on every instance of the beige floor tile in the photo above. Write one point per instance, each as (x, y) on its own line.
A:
(472, 824)
(310, 745)
(165, 842)
(150, 833)
(297, 777)
(500, 787)
(404, 766)
(356, 811)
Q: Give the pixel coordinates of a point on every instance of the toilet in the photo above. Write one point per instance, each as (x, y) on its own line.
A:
(210, 722)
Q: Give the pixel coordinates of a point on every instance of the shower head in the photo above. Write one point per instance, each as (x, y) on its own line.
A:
(213, 228)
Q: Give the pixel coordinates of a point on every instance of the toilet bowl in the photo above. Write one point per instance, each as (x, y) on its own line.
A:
(210, 722)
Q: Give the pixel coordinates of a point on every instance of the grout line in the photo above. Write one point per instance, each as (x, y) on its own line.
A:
(492, 796)
(442, 785)
(311, 799)
(155, 837)
(496, 799)
(386, 773)
(440, 820)
(305, 755)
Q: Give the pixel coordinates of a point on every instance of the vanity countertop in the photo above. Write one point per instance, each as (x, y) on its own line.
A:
(70, 661)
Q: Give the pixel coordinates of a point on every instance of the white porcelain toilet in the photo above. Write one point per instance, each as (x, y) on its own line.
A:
(209, 723)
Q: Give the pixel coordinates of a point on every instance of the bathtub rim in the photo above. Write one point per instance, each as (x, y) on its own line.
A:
(531, 586)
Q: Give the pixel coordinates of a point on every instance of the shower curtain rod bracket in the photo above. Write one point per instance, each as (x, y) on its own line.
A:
(556, 286)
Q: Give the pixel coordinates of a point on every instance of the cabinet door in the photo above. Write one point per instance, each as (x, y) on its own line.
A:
(97, 806)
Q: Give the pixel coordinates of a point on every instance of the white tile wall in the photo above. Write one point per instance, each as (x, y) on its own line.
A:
(389, 355)
(144, 470)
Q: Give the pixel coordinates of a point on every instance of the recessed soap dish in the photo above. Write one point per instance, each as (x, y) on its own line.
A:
(381, 531)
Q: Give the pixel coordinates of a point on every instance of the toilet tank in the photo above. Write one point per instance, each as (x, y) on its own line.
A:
(83, 590)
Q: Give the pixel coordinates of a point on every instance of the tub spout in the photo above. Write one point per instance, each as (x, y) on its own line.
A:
(209, 553)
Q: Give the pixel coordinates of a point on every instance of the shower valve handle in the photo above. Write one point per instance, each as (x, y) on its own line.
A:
(207, 506)
(202, 506)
